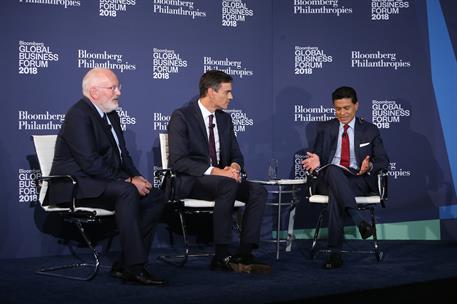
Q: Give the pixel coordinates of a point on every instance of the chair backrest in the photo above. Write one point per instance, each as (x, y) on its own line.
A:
(44, 147)
(164, 151)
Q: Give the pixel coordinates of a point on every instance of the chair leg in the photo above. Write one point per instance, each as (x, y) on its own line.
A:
(290, 229)
(316, 232)
(181, 259)
(50, 271)
(377, 250)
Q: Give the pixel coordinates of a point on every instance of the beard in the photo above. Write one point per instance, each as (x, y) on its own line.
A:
(111, 105)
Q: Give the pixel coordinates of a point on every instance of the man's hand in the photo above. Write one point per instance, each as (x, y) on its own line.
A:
(311, 162)
(366, 166)
(229, 172)
(142, 185)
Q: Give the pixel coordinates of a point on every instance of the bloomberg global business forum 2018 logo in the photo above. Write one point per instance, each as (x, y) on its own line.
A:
(34, 56)
(166, 62)
(235, 11)
(309, 58)
(110, 8)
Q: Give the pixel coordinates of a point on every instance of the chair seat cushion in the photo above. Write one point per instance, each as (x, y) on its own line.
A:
(98, 211)
(323, 199)
(196, 203)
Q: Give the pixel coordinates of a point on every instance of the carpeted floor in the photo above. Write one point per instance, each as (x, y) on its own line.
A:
(411, 270)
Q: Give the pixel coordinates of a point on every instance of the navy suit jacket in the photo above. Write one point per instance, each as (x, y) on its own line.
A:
(188, 144)
(86, 149)
(367, 141)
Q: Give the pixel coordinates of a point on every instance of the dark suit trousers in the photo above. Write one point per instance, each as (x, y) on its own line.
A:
(136, 218)
(224, 191)
(342, 188)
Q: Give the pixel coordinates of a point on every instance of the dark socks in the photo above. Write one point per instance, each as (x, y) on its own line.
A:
(221, 251)
(245, 249)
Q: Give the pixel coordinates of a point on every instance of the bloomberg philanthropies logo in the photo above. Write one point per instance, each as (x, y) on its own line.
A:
(64, 3)
(378, 59)
(320, 7)
(177, 8)
(113, 61)
(39, 121)
(396, 172)
(160, 121)
(311, 114)
(231, 67)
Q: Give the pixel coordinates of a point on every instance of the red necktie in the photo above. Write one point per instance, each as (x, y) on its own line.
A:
(212, 142)
(344, 161)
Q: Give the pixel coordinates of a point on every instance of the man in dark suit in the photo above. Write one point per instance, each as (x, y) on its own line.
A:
(91, 147)
(348, 152)
(205, 154)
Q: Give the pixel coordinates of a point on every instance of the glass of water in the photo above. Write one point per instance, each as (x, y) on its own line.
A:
(273, 169)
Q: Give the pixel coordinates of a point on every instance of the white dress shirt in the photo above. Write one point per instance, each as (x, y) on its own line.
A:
(337, 158)
(206, 115)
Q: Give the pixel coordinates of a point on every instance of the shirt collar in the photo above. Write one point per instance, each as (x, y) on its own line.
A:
(351, 124)
(99, 110)
(204, 110)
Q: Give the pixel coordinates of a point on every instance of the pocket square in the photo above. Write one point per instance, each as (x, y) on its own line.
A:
(364, 144)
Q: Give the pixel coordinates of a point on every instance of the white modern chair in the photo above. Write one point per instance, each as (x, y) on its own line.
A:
(80, 216)
(364, 203)
(186, 206)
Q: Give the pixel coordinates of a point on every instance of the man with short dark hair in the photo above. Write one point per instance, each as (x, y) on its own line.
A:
(348, 152)
(91, 147)
(205, 154)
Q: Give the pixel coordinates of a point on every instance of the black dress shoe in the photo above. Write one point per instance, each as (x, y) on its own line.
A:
(221, 264)
(333, 261)
(365, 229)
(117, 271)
(249, 264)
(143, 277)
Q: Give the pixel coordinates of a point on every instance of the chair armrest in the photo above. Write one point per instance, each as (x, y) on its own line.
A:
(311, 181)
(382, 186)
(381, 176)
(243, 174)
(167, 182)
(70, 178)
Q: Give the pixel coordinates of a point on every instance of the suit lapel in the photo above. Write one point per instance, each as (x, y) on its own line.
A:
(102, 124)
(222, 130)
(198, 117)
(107, 130)
(335, 127)
(358, 130)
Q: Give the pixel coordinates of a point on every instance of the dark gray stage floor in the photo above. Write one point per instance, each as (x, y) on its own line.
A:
(411, 270)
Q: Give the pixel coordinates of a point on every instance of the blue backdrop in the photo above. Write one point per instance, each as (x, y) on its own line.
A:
(286, 57)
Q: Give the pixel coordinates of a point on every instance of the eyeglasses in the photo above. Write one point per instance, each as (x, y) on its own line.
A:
(112, 88)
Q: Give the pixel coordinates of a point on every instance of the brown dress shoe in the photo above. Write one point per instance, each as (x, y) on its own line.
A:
(249, 264)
